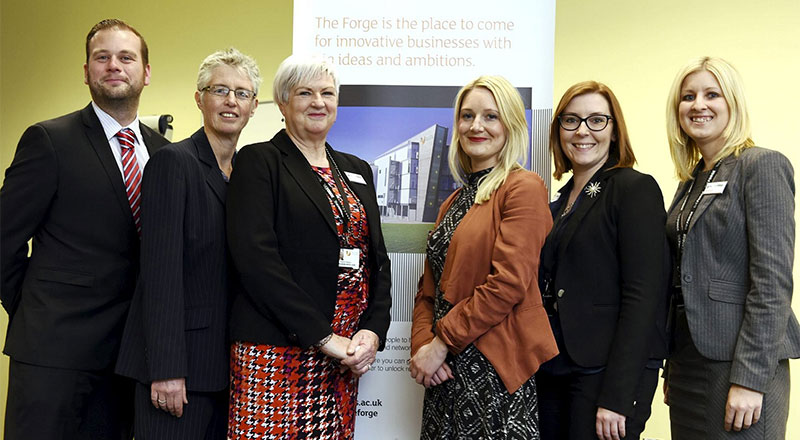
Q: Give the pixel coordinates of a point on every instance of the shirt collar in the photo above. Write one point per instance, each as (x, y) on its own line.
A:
(111, 127)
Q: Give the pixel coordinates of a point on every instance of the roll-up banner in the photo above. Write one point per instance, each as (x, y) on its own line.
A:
(401, 65)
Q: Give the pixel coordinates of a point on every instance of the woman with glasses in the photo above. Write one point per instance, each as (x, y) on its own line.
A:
(175, 343)
(479, 331)
(603, 276)
(731, 229)
(305, 235)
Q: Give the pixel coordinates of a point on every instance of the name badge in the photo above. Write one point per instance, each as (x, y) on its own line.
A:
(555, 197)
(349, 258)
(355, 178)
(714, 188)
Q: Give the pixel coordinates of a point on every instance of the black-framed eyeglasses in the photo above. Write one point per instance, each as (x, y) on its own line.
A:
(571, 122)
(222, 92)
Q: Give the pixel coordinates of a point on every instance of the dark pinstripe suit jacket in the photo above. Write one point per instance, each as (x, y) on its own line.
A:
(736, 270)
(67, 302)
(176, 326)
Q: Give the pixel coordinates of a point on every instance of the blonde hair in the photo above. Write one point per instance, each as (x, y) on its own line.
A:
(515, 151)
(683, 149)
(619, 148)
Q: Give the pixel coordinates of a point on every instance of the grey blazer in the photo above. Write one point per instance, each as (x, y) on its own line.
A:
(736, 269)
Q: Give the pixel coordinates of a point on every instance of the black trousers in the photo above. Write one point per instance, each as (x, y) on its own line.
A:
(568, 405)
(205, 417)
(62, 404)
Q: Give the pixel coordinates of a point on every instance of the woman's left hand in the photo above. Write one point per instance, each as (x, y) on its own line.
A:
(443, 374)
(609, 425)
(361, 352)
(427, 361)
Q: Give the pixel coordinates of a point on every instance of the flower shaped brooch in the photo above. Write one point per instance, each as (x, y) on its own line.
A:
(592, 189)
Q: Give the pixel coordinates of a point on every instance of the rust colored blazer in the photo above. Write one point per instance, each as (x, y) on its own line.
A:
(491, 278)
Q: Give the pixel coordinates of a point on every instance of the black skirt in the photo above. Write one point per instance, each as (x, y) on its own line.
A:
(698, 392)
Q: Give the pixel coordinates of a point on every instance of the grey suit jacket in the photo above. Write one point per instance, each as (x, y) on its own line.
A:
(736, 269)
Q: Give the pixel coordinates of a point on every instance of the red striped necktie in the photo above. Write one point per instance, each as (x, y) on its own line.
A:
(131, 173)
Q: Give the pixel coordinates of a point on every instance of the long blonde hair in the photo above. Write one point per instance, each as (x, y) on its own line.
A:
(684, 151)
(515, 150)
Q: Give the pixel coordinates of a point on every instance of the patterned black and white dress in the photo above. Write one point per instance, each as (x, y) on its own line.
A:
(475, 404)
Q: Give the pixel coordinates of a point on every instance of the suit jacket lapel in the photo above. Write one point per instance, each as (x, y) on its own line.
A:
(723, 174)
(361, 190)
(205, 154)
(299, 168)
(149, 140)
(585, 206)
(97, 138)
(680, 193)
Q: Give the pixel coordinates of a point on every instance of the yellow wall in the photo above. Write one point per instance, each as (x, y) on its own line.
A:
(634, 46)
(42, 55)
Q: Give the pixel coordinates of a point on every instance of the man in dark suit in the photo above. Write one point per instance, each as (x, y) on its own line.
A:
(175, 344)
(73, 188)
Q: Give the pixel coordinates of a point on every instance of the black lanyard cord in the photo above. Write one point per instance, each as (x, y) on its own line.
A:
(341, 199)
(682, 230)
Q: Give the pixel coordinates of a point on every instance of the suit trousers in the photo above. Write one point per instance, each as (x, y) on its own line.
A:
(205, 417)
(62, 404)
(568, 405)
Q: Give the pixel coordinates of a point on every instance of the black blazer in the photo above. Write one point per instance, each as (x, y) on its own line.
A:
(611, 281)
(283, 241)
(67, 303)
(176, 326)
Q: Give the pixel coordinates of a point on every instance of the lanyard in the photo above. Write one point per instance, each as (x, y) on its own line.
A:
(683, 230)
(339, 200)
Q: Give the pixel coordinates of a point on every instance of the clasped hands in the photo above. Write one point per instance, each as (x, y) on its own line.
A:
(356, 354)
(428, 367)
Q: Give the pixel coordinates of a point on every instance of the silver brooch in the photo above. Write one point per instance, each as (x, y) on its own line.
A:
(592, 189)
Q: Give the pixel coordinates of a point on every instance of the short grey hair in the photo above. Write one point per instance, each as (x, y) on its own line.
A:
(300, 69)
(228, 57)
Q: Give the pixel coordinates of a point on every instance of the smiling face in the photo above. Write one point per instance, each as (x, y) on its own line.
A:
(703, 112)
(587, 150)
(115, 71)
(226, 116)
(311, 109)
(481, 135)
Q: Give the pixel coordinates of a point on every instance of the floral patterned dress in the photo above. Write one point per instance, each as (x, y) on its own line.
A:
(287, 393)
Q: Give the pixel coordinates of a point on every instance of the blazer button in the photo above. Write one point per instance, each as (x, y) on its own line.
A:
(687, 278)
(560, 293)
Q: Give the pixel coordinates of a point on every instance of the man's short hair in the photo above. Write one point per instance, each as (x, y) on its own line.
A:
(111, 23)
